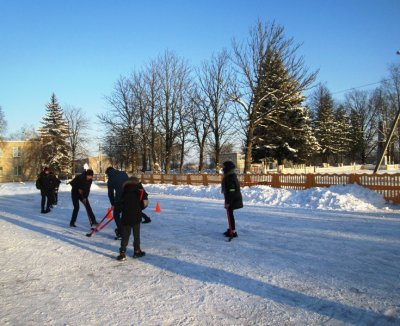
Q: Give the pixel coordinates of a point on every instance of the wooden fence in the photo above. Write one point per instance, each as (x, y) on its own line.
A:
(386, 184)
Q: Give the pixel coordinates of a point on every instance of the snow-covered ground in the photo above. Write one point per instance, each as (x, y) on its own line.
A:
(321, 256)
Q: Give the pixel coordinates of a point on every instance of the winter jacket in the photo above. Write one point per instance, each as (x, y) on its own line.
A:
(81, 183)
(132, 197)
(231, 189)
(54, 182)
(43, 183)
(116, 180)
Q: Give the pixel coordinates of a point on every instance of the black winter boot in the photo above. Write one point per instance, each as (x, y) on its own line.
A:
(121, 256)
(138, 254)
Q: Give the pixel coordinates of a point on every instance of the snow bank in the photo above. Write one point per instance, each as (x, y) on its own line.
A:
(340, 197)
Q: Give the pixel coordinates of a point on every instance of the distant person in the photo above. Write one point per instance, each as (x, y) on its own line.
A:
(80, 192)
(115, 182)
(230, 187)
(43, 184)
(54, 186)
(132, 197)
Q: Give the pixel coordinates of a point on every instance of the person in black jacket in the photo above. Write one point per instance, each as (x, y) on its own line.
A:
(54, 186)
(43, 184)
(230, 187)
(115, 182)
(132, 197)
(80, 192)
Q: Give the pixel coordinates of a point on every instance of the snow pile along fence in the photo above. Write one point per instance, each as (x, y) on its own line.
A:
(386, 184)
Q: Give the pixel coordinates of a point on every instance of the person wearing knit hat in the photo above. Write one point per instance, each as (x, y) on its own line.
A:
(80, 193)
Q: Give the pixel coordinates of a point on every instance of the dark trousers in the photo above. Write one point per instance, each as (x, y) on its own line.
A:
(75, 202)
(231, 218)
(126, 232)
(43, 202)
(145, 217)
(55, 197)
(117, 216)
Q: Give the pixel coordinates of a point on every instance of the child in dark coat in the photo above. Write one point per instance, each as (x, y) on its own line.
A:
(230, 187)
(133, 196)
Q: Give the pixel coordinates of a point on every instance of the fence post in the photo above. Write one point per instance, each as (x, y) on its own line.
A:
(353, 178)
(247, 180)
(162, 179)
(275, 181)
(310, 181)
(188, 180)
(174, 181)
(205, 180)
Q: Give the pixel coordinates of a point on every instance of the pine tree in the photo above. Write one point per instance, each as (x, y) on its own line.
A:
(325, 125)
(285, 131)
(343, 140)
(54, 135)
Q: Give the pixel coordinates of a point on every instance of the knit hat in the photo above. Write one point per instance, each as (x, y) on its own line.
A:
(89, 172)
(228, 166)
(109, 169)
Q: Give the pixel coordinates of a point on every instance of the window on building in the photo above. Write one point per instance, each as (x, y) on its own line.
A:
(17, 151)
(1, 170)
(17, 170)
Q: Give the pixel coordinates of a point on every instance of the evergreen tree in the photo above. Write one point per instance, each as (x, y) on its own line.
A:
(54, 135)
(285, 130)
(325, 125)
(343, 140)
(258, 91)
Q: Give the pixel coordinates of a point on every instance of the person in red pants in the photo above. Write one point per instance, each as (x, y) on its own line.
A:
(230, 187)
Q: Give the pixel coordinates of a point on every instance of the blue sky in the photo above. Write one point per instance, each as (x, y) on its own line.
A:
(78, 49)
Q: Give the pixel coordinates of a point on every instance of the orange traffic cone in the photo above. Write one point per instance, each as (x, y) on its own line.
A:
(109, 213)
(158, 209)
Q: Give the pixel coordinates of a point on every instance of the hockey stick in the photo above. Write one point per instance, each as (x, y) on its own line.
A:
(101, 226)
(87, 211)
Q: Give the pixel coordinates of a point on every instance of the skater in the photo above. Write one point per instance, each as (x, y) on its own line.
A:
(132, 196)
(230, 187)
(80, 192)
(43, 184)
(116, 180)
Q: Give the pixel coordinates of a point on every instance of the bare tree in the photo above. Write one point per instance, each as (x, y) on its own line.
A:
(78, 125)
(121, 122)
(3, 122)
(152, 86)
(266, 42)
(26, 132)
(363, 117)
(199, 123)
(174, 77)
(215, 80)
(140, 102)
